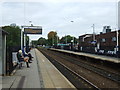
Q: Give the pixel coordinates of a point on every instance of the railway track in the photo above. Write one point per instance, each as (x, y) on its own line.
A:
(112, 76)
(78, 80)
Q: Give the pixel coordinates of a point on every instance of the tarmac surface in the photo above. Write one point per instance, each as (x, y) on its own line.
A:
(41, 74)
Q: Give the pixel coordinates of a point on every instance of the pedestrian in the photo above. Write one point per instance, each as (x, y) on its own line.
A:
(20, 58)
(30, 57)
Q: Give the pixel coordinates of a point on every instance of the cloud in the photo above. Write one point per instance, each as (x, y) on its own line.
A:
(59, 1)
(58, 16)
(0, 13)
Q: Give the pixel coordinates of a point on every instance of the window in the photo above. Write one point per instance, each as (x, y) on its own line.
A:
(83, 39)
(103, 40)
(114, 39)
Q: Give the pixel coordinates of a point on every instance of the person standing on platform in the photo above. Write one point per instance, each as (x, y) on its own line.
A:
(30, 57)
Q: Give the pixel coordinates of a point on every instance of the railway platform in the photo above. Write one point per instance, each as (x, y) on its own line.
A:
(94, 56)
(51, 77)
(41, 74)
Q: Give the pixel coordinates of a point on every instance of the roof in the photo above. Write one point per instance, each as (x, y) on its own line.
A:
(98, 34)
(3, 31)
(86, 35)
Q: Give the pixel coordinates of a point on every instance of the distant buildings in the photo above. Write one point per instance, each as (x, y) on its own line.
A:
(105, 42)
(106, 29)
(13, 24)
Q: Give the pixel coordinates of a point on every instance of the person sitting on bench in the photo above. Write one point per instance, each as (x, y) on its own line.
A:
(20, 58)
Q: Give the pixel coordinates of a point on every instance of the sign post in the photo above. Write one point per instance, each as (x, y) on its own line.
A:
(29, 30)
(32, 31)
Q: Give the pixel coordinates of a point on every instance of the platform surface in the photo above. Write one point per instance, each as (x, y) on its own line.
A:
(41, 74)
(51, 76)
(24, 77)
(100, 57)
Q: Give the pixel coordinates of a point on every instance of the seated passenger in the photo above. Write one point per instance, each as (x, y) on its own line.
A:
(20, 58)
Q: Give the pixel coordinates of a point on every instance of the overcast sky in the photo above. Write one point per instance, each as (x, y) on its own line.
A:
(57, 15)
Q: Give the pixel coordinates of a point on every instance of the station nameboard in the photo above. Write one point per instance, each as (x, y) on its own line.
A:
(33, 30)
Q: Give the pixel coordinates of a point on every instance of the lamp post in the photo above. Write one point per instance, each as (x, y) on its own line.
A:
(66, 39)
(57, 38)
(117, 24)
(73, 40)
(94, 40)
(71, 44)
(117, 43)
(93, 32)
(53, 40)
(22, 38)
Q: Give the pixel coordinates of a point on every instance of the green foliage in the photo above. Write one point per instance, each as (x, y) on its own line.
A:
(52, 38)
(13, 38)
(68, 39)
(52, 34)
(34, 43)
(42, 41)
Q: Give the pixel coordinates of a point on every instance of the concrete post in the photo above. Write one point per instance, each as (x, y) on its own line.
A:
(0, 52)
(22, 38)
(4, 54)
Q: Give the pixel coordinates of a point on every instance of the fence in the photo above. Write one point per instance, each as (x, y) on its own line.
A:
(10, 62)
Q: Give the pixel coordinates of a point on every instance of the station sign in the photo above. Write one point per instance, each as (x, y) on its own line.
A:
(33, 30)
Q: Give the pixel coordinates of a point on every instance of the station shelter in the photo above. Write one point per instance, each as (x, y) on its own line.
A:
(3, 51)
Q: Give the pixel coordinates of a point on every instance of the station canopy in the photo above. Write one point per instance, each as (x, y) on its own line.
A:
(33, 30)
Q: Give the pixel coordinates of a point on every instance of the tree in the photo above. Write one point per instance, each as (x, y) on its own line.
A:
(52, 38)
(13, 38)
(68, 39)
(42, 41)
(34, 43)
